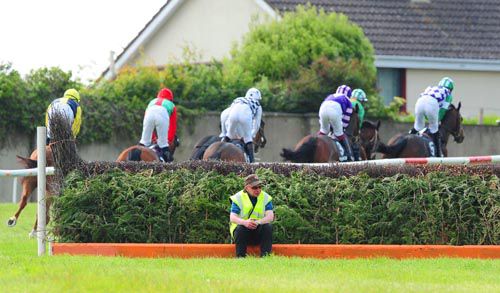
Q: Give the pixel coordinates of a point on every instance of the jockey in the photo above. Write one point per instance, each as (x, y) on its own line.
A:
(160, 115)
(336, 111)
(449, 84)
(358, 97)
(428, 105)
(244, 119)
(69, 106)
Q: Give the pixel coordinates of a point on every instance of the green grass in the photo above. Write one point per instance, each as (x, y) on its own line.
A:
(23, 271)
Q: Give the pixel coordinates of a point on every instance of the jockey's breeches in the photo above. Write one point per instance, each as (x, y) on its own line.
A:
(426, 107)
(63, 109)
(239, 122)
(156, 117)
(330, 113)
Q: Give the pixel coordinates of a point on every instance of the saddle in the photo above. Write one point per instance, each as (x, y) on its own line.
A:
(241, 145)
(429, 143)
(340, 148)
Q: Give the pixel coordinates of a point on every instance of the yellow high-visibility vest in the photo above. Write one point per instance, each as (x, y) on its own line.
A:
(242, 200)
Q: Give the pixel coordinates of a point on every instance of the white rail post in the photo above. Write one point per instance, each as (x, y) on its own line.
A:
(14, 190)
(41, 137)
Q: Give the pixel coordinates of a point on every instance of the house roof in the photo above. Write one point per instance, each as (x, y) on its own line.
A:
(437, 34)
(464, 29)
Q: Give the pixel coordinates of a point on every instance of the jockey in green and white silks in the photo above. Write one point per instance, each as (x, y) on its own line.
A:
(243, 120)
(449, 84)
(427, 106)
(358, 97)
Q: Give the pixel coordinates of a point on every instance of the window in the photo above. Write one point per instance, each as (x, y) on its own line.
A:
(390, 82)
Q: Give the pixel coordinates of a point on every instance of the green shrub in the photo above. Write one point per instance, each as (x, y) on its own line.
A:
(186, 206)
(304, 57)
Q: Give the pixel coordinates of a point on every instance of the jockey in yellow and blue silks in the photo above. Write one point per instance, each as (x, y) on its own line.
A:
(69, 107)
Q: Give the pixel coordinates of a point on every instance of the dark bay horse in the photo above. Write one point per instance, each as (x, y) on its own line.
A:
(30, 183)
(211, 148)
(369, 139)
(145, 154)
(416, 146)
(321, 148)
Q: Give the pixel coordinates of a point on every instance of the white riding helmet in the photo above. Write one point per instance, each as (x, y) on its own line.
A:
(253, 93)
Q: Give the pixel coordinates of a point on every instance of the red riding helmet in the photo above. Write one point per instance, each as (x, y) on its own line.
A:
(166, 93)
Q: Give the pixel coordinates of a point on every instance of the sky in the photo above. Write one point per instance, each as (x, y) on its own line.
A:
(74, 35)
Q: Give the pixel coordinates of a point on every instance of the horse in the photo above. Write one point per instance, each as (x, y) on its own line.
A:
(322, 148)
(145, 154)
(211, 148)
(369, 138)
(417, 146)
(30, 183)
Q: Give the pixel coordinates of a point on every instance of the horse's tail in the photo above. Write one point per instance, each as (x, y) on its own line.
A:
(27, 162)
(134, 154)
(304, 154)
(393, 150)
(202, 146)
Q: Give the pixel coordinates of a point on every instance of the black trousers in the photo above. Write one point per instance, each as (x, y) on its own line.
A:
(263, 235)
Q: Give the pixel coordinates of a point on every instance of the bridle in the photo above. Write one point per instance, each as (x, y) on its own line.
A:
(456, 133)
(373, 143)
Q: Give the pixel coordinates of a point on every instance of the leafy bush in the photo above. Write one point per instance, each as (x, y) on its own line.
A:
(192, 206)
(303, 57)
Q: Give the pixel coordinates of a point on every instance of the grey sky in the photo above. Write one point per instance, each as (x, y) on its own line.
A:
(70, 34)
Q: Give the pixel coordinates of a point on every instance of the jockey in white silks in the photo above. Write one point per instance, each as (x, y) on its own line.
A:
(243, 120)
(428, 106)
(223, 122)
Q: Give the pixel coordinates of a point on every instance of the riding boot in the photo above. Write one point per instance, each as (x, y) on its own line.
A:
(140, 144)
(347, 149)
(355, 152)
(436, 138)
(225, 139)
(413, 131)
(166, 154)
(47, 141)
(249, 151)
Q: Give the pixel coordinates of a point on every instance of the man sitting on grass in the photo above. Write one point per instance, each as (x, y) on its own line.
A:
(251, 217)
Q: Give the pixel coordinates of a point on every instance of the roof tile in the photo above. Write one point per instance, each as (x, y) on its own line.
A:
(467, 29)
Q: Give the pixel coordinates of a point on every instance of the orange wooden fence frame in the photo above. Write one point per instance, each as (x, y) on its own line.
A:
(290, 250)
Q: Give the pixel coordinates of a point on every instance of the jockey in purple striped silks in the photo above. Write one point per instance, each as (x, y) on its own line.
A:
(336, 111)
(428, 105)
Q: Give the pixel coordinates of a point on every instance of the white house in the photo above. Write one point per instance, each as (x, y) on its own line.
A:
(416, 41)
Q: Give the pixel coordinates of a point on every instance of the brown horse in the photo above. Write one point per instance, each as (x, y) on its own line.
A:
(211, 148)
(30, 183)
(369, 138)
(145, 154)
(322, 148)
(417, 146)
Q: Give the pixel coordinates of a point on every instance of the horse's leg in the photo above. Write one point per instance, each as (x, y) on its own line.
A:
(33, 231)
(29, 184)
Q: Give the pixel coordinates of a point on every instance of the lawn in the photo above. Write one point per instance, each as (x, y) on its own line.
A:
(23, 271)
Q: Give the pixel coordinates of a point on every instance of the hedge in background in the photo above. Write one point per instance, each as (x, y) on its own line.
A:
(192, 206)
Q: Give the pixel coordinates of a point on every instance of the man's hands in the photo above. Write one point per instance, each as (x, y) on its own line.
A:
(250, 224)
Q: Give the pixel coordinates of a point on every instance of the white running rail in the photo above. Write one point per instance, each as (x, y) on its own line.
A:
(41, 172)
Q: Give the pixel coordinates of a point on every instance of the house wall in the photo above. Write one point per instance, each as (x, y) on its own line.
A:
(474, 89)
(282, 131)
(208, 27)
